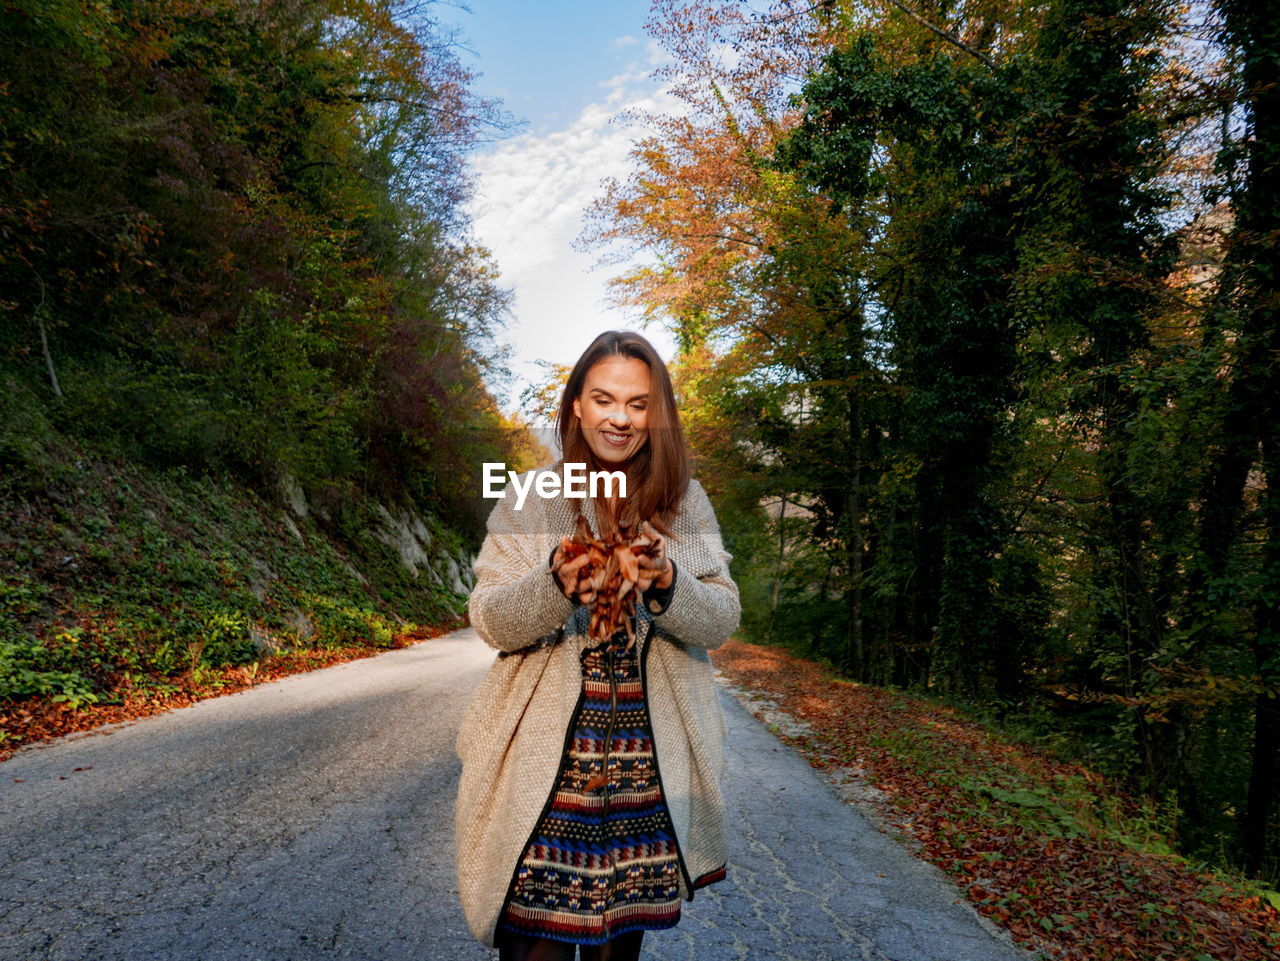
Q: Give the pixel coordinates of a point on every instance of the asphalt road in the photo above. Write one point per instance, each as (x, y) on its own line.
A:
(311, 818)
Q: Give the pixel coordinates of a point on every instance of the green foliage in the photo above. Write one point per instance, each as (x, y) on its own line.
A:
(121, 578)
(235, 260)
(25, 439)
(22, 674)
(223, 637)
(25, 668)
(965, 304)
(235, 237)
(339, 624)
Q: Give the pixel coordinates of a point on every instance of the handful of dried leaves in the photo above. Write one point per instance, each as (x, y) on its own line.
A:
(612, 569)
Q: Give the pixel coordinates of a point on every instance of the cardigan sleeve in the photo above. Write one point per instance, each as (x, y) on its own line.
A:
(658, 599)
(515, 601)
(704, 608)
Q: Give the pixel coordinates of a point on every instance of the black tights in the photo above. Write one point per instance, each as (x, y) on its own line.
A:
(518, 947)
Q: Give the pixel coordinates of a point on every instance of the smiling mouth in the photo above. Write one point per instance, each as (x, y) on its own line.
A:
(615, 439)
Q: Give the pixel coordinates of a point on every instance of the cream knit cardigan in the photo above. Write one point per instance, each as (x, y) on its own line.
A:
(514, 730)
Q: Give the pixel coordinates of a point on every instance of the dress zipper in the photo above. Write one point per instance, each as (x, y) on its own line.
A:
(608, 738)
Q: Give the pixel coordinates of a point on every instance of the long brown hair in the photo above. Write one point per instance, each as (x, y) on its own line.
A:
(659, 472)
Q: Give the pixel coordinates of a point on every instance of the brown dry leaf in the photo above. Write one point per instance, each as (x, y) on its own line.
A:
(612, 571)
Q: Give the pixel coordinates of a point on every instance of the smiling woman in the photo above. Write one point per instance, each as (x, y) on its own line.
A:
(616, 413)
(619, 411)
(590, 801)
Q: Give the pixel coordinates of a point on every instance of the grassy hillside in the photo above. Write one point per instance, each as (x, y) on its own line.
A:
(126, 587)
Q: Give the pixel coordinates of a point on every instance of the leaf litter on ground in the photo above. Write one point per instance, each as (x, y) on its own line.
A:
(1046, 849)
(37, 719)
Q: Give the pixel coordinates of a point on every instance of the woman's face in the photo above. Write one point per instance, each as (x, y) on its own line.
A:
(613, 408)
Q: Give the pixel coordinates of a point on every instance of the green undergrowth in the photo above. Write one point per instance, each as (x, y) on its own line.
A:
(115, 576)
(1035, 793)
(1058, 789)
(1006, 779)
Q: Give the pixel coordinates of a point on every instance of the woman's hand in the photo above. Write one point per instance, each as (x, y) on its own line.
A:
(574, 576)
(581, 570)
(655, 568)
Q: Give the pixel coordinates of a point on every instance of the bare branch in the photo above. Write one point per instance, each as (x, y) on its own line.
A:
(949, 37)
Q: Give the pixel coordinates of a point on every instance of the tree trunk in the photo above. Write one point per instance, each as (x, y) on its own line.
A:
(855, 647)
(1252, 289)
(777, 574)
(1262, 850)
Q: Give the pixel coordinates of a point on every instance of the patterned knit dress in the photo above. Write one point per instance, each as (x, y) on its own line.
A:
(602, 860)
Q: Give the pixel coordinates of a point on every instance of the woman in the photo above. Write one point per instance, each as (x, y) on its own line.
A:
(590, 802)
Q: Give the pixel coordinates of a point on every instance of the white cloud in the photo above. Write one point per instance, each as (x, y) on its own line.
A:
(531, 194)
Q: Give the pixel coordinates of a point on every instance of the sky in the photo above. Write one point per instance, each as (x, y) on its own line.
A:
(565, 68)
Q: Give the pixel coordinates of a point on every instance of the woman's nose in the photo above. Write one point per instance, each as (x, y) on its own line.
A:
(619, 418)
